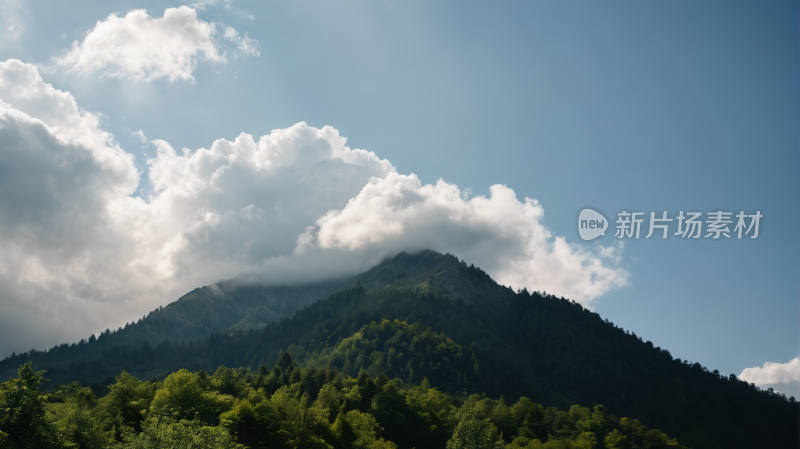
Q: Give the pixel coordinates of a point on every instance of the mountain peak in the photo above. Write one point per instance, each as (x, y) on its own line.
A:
(429, 270)
(232, 305)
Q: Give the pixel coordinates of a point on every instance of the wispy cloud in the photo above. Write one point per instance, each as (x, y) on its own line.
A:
(139, 134)
(12, 23)
(612, 252)
(201, 5)
(227, 5)
(245, 45)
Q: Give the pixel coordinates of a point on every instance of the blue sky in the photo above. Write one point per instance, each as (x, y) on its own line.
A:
(651, 106)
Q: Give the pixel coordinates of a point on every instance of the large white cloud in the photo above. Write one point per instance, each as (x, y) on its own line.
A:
(81, 252)
(59, 176)
(500, 233)
(144, 48)
(782, 377)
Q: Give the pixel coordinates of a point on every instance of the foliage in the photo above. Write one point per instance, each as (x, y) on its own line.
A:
(473, 432)
(536, 346)
(183, 397)
(127, 402)
(23, 420)
(79, 422)
(166, 433)
(311, 407)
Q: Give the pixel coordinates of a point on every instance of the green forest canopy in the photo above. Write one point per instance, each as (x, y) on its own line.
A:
(293, 407)
(544, 348)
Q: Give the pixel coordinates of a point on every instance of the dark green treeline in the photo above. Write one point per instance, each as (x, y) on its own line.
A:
(548, 349)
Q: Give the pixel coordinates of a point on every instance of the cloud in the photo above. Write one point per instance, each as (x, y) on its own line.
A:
(139, 134)
(201, 5)
(501, 234)
(14, 30)
(60, 176)
(246, 46)
(143, 48)
(227, 5)
(12, 22)
(612, 252)
(782, 377)
(82, 252)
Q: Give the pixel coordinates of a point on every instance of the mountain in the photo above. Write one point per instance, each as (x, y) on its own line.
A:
(428, 315)
(224, 306)
(240, 304)
(430, 271)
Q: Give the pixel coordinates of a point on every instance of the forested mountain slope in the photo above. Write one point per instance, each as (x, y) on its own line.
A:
(432, 271)
(548, 349)
(242, 304)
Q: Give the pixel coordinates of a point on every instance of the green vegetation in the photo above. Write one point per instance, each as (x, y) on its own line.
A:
(293, 407)
(453, 328)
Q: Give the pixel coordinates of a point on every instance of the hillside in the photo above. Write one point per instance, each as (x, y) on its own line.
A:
(431, 316)
(239, 304)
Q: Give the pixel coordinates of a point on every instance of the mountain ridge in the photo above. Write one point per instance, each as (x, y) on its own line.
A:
(240, 304)
(237, 304)
(538, 346)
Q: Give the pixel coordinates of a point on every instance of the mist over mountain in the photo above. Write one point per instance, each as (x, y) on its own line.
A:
(243, 303)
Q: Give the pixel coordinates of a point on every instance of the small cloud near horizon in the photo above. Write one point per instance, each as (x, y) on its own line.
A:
(781, 377)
